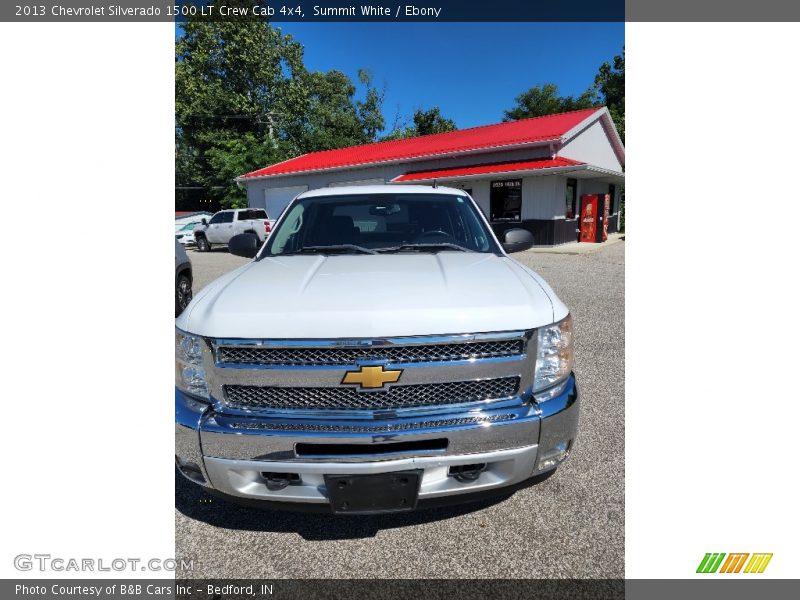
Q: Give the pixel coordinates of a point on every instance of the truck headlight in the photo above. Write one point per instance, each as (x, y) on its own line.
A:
(554, 355)
(190, 374)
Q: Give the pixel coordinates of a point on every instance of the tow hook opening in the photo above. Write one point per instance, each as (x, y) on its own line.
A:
(190, 470)
(467, 473)
(278, 481)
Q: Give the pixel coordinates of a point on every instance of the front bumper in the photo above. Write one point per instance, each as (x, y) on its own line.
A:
(232, 455)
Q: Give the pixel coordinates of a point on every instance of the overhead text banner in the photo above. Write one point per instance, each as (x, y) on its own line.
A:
(313, 10)
(399, 11)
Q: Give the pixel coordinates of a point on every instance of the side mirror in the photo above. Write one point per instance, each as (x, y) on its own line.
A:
(244, 244)
(517, 240)
(203, 221)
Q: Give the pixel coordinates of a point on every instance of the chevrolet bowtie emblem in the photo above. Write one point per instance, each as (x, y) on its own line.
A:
(372, 377)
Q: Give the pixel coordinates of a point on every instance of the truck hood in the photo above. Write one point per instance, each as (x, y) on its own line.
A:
(353, 296)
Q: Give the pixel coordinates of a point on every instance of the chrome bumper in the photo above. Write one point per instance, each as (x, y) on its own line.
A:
(230, 454)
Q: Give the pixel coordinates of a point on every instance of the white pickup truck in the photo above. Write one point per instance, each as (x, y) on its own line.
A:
(381, 352)
(227, 223)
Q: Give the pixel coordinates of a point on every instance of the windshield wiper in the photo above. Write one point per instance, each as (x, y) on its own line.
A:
(335, 248)
(432, 247)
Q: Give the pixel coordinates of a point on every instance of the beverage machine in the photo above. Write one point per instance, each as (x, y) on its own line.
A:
(594, 217)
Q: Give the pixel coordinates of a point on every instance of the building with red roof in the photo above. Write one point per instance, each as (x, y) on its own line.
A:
(532, 173)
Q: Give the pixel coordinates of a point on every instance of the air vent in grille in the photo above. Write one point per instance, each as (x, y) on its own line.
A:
(403, 426)
(344, 398)
(265, 355)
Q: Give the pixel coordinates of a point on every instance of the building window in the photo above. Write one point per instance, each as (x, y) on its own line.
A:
(612, 191)
(572, 198)
(505, 200)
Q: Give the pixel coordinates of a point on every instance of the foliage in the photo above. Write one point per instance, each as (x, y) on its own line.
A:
(243, 99)
(545, 100)
(370, 110)
(332, 117)
(610, 84)
(425, 122)
(607, 90)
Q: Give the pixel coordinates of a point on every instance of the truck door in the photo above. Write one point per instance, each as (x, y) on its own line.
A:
(220, 228)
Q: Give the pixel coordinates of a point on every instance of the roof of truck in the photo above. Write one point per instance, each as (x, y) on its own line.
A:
(347, 190)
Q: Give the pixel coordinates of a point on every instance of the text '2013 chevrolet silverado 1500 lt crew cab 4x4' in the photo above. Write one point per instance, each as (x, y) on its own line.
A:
(381, 352)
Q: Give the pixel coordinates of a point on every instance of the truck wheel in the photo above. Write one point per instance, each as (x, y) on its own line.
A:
(183, 293)
(202, 244)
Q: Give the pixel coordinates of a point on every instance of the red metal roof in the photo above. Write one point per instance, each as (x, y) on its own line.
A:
(536, 129)
(527, 165)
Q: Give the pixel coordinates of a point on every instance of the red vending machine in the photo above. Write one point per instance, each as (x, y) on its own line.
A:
(589, 218)
(594, 217)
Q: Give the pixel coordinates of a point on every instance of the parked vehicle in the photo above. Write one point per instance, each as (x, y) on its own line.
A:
(381, 352)
(182, 218)
(227, 223)
(185, 235)
(183, 279)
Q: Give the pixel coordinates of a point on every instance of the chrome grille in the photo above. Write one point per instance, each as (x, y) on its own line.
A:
(333, 428)
(265, 355)
(344, 398)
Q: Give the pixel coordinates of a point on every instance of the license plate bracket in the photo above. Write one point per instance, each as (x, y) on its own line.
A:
(369, 494)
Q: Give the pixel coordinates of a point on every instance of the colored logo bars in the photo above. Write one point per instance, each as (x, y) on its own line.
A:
(734, 562)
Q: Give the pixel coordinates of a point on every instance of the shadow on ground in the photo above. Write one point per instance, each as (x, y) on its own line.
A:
(195, 503)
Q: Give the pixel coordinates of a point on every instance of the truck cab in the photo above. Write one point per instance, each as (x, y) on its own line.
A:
(380, 352)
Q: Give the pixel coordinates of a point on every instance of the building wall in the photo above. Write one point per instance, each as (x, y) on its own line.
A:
(592, 186)
(539, 197)
(543, 197)
(593, 147)
(255, 188)
(479, 188)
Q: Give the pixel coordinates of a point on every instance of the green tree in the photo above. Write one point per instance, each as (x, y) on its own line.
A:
(234, 82)
(235, 153)
(545, 100)
(243, 99)
(332, 116)
(432, 121)
(610, 83)
(425, 122)
(370, 110)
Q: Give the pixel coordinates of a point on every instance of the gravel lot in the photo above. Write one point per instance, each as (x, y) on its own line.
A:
(570, 525)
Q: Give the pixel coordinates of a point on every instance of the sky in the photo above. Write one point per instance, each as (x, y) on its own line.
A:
(472, 71)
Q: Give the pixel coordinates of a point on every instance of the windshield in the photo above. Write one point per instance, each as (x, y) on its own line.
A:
(381, 223)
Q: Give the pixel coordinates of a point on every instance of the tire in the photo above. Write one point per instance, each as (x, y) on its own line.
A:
(259, 241)
(202, 244)
(183, 293)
